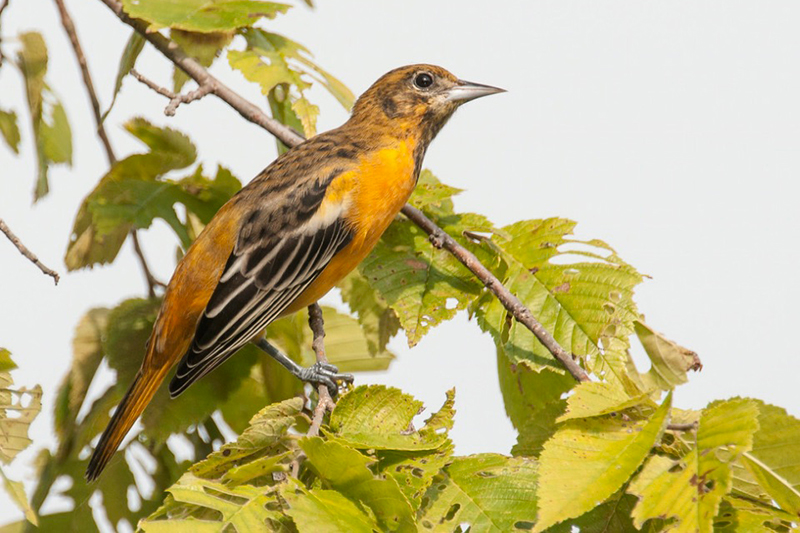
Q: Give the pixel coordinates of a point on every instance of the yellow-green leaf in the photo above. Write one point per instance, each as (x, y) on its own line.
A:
(596, 399)
(9, 129)
(202, 15)
(589, 459)
(131, 52)
(670, 361)
(325, 511)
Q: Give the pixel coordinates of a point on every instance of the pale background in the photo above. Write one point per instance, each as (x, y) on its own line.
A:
(668, 129)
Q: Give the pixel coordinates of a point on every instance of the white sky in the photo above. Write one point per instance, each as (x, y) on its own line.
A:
(668, 129)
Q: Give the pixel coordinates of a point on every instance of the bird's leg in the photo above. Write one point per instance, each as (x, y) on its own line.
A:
(317, 374)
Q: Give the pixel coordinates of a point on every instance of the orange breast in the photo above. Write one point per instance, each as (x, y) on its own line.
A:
(377, 190)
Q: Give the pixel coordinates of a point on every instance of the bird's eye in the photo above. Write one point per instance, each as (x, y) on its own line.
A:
(423, 80)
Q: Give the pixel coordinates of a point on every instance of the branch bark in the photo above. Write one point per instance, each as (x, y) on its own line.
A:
(174, 99)
(69, 27)
(290, 138)
(325, 403)
(27, 253)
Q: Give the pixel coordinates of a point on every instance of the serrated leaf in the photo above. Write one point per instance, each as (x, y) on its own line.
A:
(670, 361)
(241, 508)
(611, 516)
(587, 306)
(589, 459)
(738, 514)
(131, 195)
(202, 15)
(9, 129)
(487, 492)
(597, 399)
(266, 428)
(377, 417)
(130, 54)
(345, 470)
(325, 511)
(691, 489)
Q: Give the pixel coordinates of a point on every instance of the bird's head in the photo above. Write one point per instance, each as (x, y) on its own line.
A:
(416, 99)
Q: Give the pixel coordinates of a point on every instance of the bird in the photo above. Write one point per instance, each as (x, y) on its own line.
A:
(286, 238)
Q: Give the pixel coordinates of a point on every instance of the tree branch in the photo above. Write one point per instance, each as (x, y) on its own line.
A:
(290, 138)
(325, 403)
(174, 99)
(27, 253)
(69, 27)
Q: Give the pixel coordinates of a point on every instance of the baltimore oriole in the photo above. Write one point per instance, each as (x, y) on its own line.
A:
(290, 235)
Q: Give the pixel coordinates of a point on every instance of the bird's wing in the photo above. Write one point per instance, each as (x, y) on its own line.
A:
(281, 249)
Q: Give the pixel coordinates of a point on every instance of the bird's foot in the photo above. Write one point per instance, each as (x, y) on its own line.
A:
(324, 374)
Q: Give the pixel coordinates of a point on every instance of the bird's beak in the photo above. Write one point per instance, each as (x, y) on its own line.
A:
(464, 91)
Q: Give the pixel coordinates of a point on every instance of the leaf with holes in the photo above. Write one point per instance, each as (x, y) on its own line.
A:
(697, 481)
(486, 492)
(325, 511)
(18, 408)
(587, 306)
(589, 459)
(380, 418)
(597, 399)
(377, 320)
(202, 15)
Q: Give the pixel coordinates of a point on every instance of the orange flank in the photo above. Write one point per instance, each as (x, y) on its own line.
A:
(289, 236)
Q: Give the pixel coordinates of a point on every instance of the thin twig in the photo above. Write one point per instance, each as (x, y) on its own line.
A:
(152, 282)
(27, 253)
(69, 27)
(289, 137)
(325, 403)
(174, 99)
(689, 426)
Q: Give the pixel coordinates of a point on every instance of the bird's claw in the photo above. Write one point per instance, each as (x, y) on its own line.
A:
(325, 374)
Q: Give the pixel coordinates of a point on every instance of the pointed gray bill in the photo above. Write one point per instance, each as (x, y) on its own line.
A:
(465, 91)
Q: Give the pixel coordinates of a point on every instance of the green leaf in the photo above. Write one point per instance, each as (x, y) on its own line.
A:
(57, 137)
(325, 511)
(242, 508)
(377, 320)
(587, 306)
(9, 129)
(611, 516)
(739, 514)
(532, 401)
(487, 493)
(781, 491)
(691, 488)
(204, 47)
(202, 15)
(131, 195)
(670, 362)
(130, 54)
(265, 430)
(776, 445)
(423, 285)
(589, 459)
(345, 470)
(17, 494)
(307, 113)
(597, 399)
(379, 418)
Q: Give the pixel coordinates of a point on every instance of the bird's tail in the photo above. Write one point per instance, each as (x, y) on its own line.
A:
(133, 403)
